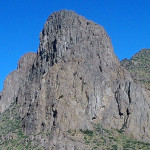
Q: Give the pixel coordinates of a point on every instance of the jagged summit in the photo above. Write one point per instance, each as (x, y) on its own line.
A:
(69, 37)
(74, 83)
(61, 16)
(64, 13)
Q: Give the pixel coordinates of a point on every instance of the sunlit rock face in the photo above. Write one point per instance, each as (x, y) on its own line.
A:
(76, 81)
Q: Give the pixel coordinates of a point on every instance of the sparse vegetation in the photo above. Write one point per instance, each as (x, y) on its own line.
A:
(139, 68)
(13, 138)
(87, 132)
(11, 134)
(61, 96)
(110, 139)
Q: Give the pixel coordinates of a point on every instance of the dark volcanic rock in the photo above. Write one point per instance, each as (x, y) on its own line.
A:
(77, 81)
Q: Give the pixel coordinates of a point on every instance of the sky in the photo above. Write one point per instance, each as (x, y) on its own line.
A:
(127, 22)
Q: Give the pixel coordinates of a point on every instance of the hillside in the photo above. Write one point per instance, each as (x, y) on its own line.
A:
(139, 67)
(12, 136)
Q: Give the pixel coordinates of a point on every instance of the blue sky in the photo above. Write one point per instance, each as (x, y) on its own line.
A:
(127, 22)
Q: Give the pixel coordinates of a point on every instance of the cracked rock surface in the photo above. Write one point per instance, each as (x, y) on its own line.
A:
(75, 81)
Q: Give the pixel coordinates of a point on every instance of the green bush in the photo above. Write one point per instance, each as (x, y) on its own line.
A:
(87, 132)
(114, 147)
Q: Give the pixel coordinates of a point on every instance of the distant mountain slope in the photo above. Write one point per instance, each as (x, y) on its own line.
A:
(139, 67)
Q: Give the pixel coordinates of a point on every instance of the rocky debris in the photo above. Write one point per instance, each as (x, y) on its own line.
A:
(14, 80)
(76, 81)
(139, 68)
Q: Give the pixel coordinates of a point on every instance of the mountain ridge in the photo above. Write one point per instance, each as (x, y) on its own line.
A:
(138, 66)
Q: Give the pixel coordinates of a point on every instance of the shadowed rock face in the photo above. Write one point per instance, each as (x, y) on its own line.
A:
(76, 81)
(14, 80)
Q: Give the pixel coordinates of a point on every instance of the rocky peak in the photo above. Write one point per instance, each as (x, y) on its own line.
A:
(78, 77)
(76, 82)
(69, 37)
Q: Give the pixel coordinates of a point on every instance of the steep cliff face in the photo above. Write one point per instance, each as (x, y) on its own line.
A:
(76, 81)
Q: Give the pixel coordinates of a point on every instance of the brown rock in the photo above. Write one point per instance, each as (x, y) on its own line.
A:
(76, 81)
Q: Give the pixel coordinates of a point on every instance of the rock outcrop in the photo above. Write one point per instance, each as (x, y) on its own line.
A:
(76, 81)
(14, 80)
